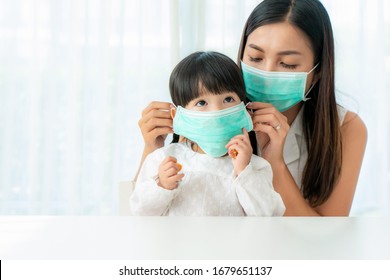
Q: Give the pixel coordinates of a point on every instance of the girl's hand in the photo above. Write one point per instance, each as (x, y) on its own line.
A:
(240, 150)
(156, 122)
(168, 173)
(271, 129)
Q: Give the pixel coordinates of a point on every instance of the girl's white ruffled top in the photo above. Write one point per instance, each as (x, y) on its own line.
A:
(209, 187)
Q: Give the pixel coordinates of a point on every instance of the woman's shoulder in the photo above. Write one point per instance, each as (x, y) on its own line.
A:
(353, 130)
(353, 125)
(349, 118)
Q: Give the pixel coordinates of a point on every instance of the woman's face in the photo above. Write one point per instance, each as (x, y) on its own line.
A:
(280, 47)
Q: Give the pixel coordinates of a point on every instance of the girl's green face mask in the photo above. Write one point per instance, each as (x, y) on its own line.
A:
(282, 89)
(211, 131)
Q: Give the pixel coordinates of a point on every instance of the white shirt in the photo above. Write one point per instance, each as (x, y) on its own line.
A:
(295, 151)
(208, 188)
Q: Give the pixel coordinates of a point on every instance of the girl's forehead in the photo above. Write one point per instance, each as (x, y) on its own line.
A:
(207, 93)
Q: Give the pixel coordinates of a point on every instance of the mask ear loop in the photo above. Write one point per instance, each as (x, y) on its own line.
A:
(311, 87)
(306, 94)
(247, 104)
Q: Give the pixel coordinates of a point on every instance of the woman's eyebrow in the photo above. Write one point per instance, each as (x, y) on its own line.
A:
(286, 52)
(253, 46)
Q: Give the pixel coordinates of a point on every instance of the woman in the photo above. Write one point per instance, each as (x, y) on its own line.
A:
(314, 146)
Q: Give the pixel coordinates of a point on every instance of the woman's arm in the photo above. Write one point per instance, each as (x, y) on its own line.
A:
(155, 125)
(354, 138)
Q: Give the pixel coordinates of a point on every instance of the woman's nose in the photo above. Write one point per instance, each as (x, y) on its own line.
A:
(269, 66)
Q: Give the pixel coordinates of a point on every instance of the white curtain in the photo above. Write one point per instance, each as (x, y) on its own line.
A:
(75, 76)
(362, 40)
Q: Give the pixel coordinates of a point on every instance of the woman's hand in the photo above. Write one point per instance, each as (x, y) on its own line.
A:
(271, 129)
(168, 173)
(240, 150)
(155, 124)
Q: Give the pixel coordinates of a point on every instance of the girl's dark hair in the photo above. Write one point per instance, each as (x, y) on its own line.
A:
(320, 117)
(211, 71)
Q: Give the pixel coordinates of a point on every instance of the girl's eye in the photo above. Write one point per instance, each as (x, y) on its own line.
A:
(288, 66)
(254, 59)
(229, 99)
(200, 103)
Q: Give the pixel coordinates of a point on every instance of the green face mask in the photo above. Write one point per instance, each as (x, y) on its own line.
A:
(281, 89)
(211, 131)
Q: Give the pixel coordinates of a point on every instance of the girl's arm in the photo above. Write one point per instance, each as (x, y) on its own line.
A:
(148, 198)
(253, 182)
(155, 125)
(255, 191)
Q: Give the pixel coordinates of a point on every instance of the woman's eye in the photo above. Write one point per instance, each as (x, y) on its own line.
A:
(254, 59)
(200, 103)
(229, 99)
(288, 66)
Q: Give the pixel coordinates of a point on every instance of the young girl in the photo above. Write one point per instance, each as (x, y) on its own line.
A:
(195, 176)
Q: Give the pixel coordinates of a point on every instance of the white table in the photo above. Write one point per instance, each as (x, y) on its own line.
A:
(167, 238)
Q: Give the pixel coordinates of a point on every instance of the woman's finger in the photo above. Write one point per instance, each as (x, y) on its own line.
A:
(269, 130)
(272, 133)
(258, 105)
(160, 114)
(260, 108)
(159, 131)
(270, 119)
(154, 115)
(155, 123)
(270, 111)
(156, 105)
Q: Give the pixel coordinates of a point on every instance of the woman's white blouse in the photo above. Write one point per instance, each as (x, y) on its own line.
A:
(209, 187)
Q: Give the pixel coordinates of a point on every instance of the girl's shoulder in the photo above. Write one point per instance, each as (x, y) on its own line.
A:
(170, 149)
(176, 147)
(173, 150)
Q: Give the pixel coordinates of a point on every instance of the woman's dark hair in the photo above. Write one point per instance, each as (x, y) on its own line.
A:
(320, 117)
(211, 71)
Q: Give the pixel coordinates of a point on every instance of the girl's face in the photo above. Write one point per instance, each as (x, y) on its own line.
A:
(211, 102)
(280, 47)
